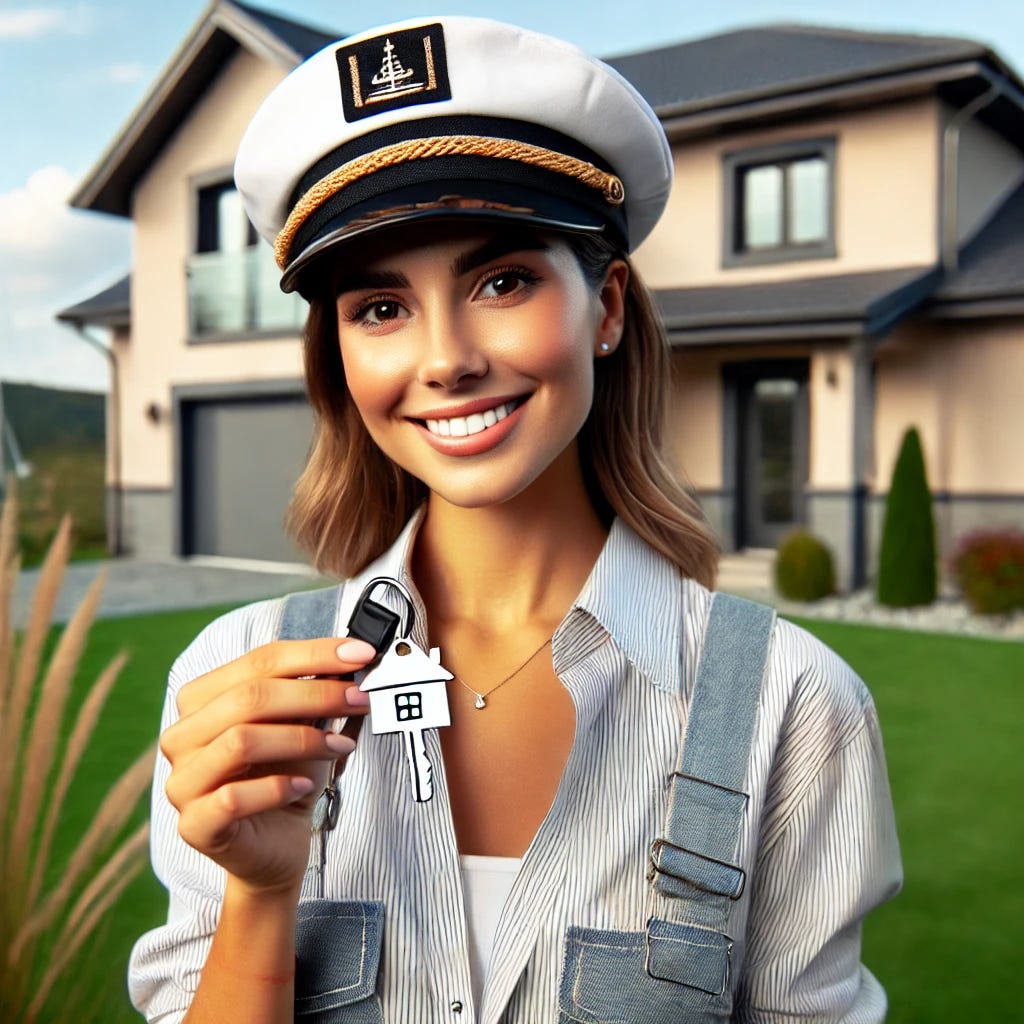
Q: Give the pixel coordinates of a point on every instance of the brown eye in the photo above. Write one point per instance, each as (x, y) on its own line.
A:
(505, 284)
(382, 311)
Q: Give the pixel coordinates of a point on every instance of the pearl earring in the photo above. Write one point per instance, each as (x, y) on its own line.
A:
(604, 346)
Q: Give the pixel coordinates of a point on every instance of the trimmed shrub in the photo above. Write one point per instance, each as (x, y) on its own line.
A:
(804, 570)
(989, 569)
(906, 568)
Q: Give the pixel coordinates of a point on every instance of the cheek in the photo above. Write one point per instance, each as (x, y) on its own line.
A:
(374, 380)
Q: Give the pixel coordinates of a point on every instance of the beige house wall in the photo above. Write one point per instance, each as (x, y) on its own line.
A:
(159, 356)
(694, 430)
(962, 386)
(886, 201)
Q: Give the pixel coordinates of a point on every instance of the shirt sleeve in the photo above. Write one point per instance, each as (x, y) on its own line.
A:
(165, 964)
(830, 856)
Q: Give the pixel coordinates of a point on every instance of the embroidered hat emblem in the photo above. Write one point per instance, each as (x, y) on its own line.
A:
(399, 69)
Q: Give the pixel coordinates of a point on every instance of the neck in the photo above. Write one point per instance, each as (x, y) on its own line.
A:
(514, 567)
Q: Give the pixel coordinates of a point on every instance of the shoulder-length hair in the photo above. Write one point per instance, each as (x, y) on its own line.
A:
(351, 501)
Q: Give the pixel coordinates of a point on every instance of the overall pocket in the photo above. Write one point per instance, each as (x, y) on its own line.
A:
(337, 956)
(670, 974)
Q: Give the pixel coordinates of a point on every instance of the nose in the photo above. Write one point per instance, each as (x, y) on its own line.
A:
(451, 355)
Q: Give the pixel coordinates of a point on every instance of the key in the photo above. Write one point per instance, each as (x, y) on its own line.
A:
(408, 695)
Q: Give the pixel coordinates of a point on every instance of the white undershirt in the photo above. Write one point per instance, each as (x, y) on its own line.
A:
(486, 883)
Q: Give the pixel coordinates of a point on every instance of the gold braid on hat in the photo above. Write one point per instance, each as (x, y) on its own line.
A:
(445, 145)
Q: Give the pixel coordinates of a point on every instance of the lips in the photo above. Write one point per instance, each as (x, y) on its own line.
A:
(473, 423)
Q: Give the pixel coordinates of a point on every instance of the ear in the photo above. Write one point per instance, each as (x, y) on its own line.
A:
(612, 308)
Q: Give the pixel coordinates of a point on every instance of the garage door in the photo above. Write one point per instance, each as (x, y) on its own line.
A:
(240, 460)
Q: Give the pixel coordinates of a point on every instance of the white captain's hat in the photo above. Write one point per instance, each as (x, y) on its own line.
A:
(449, 117)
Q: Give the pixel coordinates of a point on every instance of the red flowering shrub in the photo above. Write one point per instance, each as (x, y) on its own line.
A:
(989, 569)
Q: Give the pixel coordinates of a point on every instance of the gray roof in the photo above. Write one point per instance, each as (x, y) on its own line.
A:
(108, 308)
(762, 61)
(808, 307)
(990, 276)
(305, 40)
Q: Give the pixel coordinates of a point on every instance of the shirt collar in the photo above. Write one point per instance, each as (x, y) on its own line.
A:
(635, 594)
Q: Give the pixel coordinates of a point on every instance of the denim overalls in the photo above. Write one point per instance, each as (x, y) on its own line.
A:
(677, 971)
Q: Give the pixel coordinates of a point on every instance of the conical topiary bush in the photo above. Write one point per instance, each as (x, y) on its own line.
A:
(906, 567)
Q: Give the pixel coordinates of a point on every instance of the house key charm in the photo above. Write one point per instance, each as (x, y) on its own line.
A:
(407, 693)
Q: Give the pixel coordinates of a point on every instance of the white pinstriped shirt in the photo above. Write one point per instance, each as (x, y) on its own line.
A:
(818, 845)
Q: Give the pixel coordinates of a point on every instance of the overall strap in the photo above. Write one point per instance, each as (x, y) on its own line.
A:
(695, 858)
(309, 614)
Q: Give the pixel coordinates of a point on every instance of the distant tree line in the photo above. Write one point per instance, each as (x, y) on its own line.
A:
(47, 418)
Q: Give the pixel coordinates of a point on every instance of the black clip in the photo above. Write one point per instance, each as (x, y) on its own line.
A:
(376, 623)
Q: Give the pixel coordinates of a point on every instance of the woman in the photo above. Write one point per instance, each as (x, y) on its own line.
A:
(456, 199)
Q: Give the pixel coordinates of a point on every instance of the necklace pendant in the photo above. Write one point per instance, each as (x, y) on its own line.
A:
(480, 702)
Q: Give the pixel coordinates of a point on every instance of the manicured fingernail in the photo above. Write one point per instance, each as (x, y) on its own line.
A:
(338, 743)
(353, 650)
(355, 698)
(301, 786)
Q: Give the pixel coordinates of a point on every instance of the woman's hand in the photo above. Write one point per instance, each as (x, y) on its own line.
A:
(246, 764)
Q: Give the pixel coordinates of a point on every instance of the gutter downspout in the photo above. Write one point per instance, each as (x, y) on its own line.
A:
(949, 242)
(115, 544)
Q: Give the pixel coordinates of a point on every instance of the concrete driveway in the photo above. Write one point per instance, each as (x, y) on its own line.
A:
(134, 587)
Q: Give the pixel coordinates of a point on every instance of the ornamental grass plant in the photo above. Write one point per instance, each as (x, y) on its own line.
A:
(50, 912)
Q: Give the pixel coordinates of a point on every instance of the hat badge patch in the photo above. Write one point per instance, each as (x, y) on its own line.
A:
(399, 69)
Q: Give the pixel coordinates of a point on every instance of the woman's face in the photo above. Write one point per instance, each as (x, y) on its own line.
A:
(469, 354)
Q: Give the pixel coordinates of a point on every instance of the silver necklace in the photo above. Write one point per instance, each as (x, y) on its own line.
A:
(481, 698)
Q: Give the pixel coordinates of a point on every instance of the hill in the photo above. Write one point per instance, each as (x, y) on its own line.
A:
(48, 418)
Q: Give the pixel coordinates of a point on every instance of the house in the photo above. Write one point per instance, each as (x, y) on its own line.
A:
(841, 258)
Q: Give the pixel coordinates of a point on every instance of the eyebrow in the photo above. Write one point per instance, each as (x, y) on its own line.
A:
(494, 249)
(370, 280)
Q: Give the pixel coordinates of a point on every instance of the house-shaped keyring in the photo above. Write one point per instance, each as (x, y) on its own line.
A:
(407, 695)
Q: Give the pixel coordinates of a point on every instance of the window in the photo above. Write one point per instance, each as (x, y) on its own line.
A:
(779, 204)
(408, 706)
(232, 279)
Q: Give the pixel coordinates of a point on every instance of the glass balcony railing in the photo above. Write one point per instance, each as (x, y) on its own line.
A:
(238, 293)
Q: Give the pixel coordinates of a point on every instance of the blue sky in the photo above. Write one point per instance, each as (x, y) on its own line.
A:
(72, 72)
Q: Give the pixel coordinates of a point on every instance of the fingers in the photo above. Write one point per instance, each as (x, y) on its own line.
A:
(249, 751)
(282, 659)
(258, 701)
(212, 822)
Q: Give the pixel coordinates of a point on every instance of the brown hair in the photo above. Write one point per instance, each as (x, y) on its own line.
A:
(619, 447)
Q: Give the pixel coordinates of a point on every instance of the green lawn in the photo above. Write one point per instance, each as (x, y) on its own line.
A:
(951, 713)
(948, 948)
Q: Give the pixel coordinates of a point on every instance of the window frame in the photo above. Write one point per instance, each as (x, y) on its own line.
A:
(734, 165)
(216, 178)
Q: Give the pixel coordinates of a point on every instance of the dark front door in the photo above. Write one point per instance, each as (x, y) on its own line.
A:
(773, 416)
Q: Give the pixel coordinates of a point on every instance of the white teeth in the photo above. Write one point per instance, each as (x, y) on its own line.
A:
(465, 426)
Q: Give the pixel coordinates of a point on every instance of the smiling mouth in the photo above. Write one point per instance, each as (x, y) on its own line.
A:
(475, 423)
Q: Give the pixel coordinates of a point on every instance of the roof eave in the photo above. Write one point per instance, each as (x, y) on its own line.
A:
(704, 117)
(761, 333)
(981, 308)
(107, 187)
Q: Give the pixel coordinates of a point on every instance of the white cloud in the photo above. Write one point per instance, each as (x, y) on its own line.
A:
(29, 22)
(52, 257)
(126, 74)
(33, 22)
